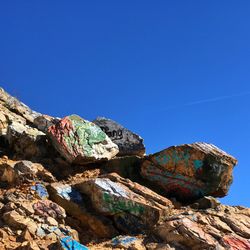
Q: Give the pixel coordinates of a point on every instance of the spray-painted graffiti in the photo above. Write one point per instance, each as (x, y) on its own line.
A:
(114, 134)
(176, 157)
(118, 204)
(182, 185)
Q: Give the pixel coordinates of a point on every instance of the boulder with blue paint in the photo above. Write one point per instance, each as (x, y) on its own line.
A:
(190, 171)
(113, 195)
(75, 205)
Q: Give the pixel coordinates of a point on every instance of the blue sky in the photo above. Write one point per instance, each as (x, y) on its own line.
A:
(173, 71)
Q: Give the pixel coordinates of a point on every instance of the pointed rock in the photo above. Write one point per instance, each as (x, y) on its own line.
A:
(190, 171)
(81, 141)
(128, 142)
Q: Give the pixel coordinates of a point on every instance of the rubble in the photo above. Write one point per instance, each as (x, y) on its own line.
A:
(101, 199)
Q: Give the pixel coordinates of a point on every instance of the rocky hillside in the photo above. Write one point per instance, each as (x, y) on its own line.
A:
(73, 184)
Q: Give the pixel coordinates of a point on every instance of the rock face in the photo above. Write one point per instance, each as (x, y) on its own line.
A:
(128, 142)
(224, 228)
(80, 141)
(190, 171)
(161, 201)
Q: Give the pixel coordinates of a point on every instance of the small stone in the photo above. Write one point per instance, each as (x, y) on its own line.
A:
(51, 221)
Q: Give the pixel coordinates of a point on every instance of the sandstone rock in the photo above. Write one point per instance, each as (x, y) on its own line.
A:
(72, 201)
(18, 107)
(26, 142)
(206, 202)
(81, 141)
(15, 220)
(112, 195)
(223, 228)
(29, 171)
(128, 142)
(190, 171)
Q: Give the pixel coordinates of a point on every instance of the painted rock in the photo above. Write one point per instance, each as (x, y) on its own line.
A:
(128, 142)
(81, 141)
(112, 195)
(72, 201)
(190, 171)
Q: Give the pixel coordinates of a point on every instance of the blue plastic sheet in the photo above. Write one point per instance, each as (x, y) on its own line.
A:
(68, 243)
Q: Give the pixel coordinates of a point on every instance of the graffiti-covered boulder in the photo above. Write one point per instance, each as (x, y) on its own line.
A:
(190, 171)
(81, 141)
(113, 195)
(72, 201)
(128, 142)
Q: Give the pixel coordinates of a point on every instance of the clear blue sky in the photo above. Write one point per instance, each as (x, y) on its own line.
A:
(158, 67)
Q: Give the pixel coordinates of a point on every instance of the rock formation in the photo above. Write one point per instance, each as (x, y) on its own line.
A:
(69, 184)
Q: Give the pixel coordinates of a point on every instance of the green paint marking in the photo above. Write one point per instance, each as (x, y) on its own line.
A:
(115, 205)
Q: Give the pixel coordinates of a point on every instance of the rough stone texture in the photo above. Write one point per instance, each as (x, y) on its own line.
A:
(43, 122)
(222, 228)
(72, 201)
(128, 142)
(81, 141)
(190, 171)
(88, 206)
(112, 195)
(26, 142)
(17, 107)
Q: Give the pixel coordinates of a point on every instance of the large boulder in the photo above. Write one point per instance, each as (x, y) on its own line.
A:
(74, 204)
(128, 142)
(190, 171)
(112, 195)
(81, 141)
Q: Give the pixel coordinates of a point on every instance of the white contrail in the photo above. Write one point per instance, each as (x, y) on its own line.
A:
(215, 99)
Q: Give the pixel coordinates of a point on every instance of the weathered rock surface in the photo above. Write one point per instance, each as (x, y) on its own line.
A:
(190, 171)
(74, 204)
(43, 122)
(81, 141)
(91, 204)
(223, 228)
(113, 195)
(26, 142)
(128, 142)
(17, 107)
